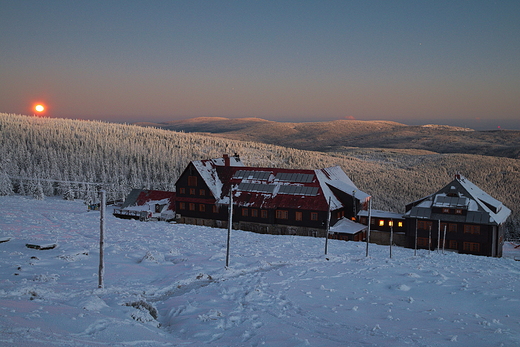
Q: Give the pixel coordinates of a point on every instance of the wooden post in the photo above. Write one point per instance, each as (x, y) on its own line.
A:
(102, 209)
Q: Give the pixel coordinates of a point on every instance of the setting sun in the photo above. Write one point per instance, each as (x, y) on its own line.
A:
(39, 108)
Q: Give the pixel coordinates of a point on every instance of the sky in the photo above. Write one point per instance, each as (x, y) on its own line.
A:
(416, 62)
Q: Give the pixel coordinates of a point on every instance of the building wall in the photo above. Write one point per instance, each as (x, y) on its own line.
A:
(466, 238)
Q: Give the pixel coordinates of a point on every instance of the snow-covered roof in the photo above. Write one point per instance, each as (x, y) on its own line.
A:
(347, 226)
(480, 207)
(335, 177)
(381, 214)
(498, 213)
(276, 187)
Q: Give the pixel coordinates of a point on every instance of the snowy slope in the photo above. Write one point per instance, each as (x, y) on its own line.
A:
(166, 285)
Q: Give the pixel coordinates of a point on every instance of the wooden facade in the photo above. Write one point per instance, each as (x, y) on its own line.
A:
(459, 217)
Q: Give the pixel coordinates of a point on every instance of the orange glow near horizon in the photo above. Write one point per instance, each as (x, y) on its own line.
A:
(39, 108)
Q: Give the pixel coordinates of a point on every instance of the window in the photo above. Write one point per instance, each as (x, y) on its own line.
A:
(182, 191)
(202, 208)
(314, 215)
(423, 242)
(471, 247)
(245, 212)
(202, 192)
(400, 224)
(192, 180)
(453, 244)
(381, 223)
(458, 211)
(299, 216)
(192, 191)
(363, 220)
(445, 210)
(215, 209)
(452, 228)
(192, 206)
(263, 213)
(282, 214)
(254, 212)
(471, 229)
(424, 225)
(182, 205)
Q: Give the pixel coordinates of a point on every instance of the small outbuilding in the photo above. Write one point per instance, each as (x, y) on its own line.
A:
(148, 205)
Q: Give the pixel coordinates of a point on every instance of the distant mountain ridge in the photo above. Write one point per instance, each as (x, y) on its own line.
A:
(341, 135)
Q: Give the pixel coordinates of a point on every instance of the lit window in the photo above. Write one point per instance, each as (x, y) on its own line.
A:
(381, 222)
(400, 224)
(391, 223)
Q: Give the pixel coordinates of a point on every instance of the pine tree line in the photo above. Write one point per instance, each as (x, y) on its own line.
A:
(121, 157)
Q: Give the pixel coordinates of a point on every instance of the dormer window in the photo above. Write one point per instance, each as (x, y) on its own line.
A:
(458, 211)
(445, 210)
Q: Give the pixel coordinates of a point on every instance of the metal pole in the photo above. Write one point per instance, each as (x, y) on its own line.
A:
(102, 238)
(391, 236)
(430, 240)
(439, 236)
(369, 217)
(327, 229)
(230, 224)
(444, 240)
(415, 250)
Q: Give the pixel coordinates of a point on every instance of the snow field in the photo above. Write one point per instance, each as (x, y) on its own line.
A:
(167, 285)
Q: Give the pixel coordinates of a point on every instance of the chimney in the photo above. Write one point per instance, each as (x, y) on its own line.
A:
(226, 160)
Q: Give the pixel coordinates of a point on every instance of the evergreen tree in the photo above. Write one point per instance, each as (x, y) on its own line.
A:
(6, 186)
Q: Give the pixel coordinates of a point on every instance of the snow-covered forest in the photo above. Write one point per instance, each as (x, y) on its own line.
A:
(39, 156)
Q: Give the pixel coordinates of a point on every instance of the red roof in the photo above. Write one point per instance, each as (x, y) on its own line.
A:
(274, 188)
(156, 195)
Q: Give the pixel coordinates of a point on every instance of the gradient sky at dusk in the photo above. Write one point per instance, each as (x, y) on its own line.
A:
(416, 62)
